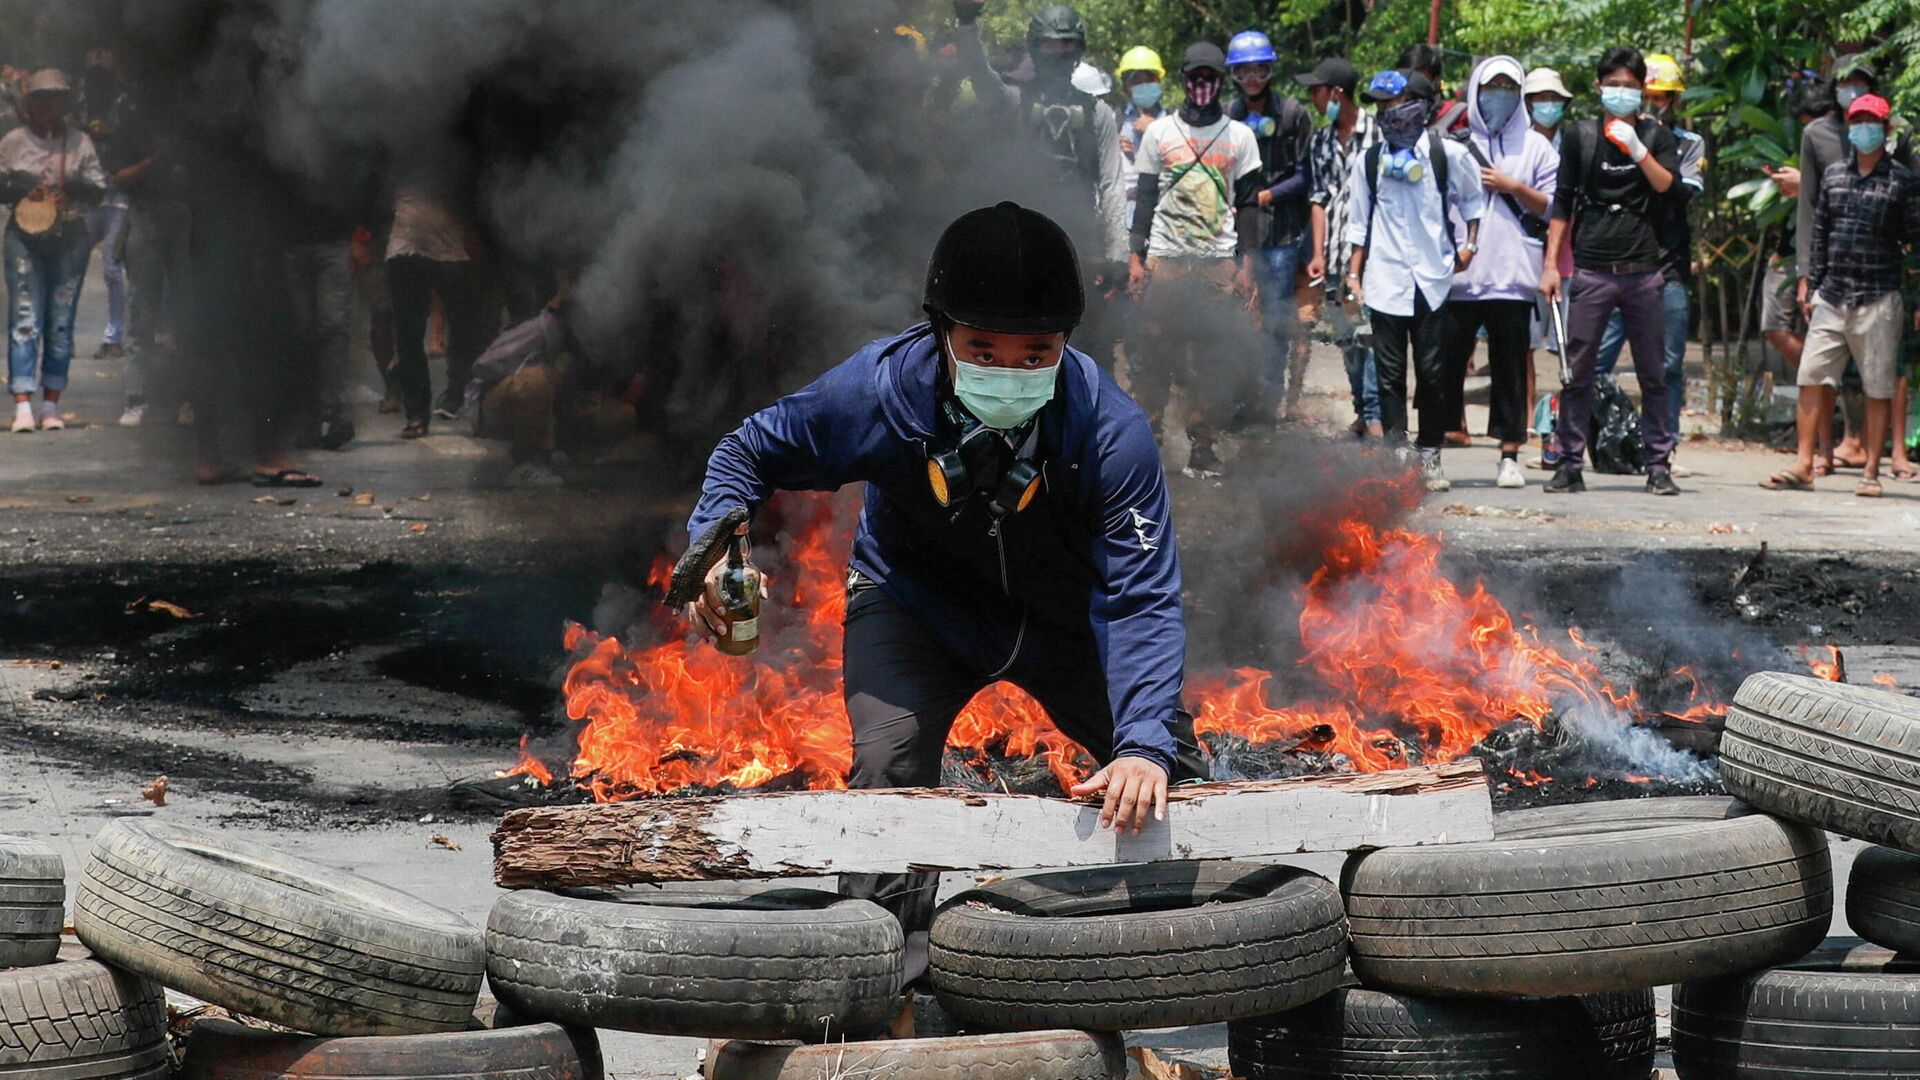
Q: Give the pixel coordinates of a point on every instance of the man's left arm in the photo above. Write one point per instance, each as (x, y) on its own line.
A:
(1137, 624)
(1110, 189)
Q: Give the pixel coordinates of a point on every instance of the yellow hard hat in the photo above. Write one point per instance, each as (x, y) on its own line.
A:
(1663, 74)
(1141, 58)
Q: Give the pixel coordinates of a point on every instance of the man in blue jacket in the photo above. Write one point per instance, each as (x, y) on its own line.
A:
(1016, 527)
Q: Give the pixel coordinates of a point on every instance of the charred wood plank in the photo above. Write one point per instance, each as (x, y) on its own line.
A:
(804, 833)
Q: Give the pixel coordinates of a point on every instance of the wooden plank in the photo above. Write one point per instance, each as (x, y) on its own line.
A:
(877, 832)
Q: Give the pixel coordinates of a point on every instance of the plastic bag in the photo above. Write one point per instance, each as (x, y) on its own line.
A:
(1613, 432)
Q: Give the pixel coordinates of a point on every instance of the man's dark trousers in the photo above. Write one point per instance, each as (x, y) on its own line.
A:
(903, 690)
(1592, 297)
(1421, 335)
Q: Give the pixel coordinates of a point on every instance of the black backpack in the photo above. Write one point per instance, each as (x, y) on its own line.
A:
(1437, 153)
(1066, 129)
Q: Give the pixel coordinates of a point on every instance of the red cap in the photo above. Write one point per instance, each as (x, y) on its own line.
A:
(1869, 107)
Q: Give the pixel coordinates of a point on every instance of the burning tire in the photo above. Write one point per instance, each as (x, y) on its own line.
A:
(1883, 899)
(1845, 758)
(1624, 905)
(271, 935)
(33, 902)
(1031, 1055)
(78, 1019)
(777, 964)
(1360, 1034)
(223, 1050)
(1157, 945)
(1839, 1012)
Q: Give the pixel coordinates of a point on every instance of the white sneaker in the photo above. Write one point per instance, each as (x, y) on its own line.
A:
(1510, 474)
(23, 417)
(134, 415)
(50, 417)
(534, 475)
(1430, 468)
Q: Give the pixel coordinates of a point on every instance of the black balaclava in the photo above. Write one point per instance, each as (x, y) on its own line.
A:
(1202, 106)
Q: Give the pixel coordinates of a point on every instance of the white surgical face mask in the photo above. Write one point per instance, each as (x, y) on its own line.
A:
(998, 397)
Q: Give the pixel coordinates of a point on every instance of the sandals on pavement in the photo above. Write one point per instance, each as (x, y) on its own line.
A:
(1905, 472)
(415, 429)
(1787, 480)
(1868, 489)
(286, 478)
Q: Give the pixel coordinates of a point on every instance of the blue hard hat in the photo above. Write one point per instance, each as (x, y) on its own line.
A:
(1249, 47)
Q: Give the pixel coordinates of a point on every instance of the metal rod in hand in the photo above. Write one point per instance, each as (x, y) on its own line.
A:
(1560, 332)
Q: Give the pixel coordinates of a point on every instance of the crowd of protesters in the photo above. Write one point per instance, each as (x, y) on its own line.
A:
(1409, 220)
(243, 328)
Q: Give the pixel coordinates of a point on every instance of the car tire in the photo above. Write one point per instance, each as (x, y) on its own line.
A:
(1840, 1012)
(1147, 946)
(780, 963)
(78, 1019)
(1359, 1034)
(1621, 907)
(33, 902)
(224, 1050)
(263, 933)
(1845, 758)
(1027, 1055)
(1883, 899)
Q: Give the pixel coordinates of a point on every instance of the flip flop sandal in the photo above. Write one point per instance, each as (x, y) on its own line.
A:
(414, 430)
(1787, 481)
(286, 478)
(1868, 489)
(1906, 472)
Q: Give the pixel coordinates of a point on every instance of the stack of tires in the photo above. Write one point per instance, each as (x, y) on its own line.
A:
(1845, 759)
(64, 1015)
(372, 983)
(1536, 953)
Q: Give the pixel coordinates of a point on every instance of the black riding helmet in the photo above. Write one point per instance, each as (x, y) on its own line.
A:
(1007, 269)
(1056, 22)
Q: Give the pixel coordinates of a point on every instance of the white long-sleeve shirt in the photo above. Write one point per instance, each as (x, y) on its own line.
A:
(1409, 248)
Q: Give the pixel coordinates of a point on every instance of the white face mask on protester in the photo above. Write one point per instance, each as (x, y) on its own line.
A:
(1002, 398)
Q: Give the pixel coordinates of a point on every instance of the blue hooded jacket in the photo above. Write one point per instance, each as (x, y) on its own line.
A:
(1094, 552)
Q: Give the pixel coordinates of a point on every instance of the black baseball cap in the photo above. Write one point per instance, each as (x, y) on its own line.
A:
(1204, 54)
(1330, 72)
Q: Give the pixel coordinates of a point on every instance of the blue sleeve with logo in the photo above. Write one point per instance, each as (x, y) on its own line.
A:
(1137, 623)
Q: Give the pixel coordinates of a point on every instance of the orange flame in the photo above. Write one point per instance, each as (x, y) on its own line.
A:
(528, 765)
(1885, 681)
(1398, 663)
(1832, 669)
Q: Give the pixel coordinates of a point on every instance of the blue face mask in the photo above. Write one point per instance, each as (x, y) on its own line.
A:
(1145, 95)
(1497, 107)
(1867, 138)
(1620, 101)
(1333, 111)
(1548, 113)
(1002, 398)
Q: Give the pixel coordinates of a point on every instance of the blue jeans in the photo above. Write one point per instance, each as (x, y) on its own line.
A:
(106, 229)
(1674, 301)
(1363, 376)
(43, 279)
(1280, 268)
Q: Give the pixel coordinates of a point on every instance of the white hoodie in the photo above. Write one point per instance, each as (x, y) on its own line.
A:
(1508, 265)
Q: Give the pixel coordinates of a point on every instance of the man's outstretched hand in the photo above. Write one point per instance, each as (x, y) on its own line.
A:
(1133, 786)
